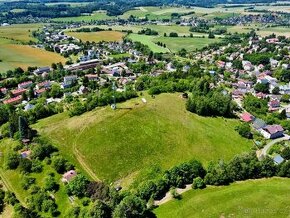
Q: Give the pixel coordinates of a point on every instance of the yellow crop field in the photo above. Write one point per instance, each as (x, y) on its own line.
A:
(98, 36)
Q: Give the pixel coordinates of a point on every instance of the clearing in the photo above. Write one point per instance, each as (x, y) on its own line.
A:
(137, 136)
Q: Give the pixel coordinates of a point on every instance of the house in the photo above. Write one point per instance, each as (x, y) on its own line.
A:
(45, 84)
(272, 131)
(274, 105)
(68, 176)
(4, 91)
(38, 92)
(284, 89)
(13, 101)
(25, 154)
(272, 40)
(274, 63)
(28, 107)
(68, 81)
(25, 85)
(247, 117)
(221, 64)
(259, 124)
(278, 159)
(41, 70)
(92, 77)
(18, 92)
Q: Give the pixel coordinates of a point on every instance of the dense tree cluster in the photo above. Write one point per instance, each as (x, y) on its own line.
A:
(209, 102)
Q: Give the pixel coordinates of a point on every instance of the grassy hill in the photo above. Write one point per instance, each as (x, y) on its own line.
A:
(137, 136)
(254, 198)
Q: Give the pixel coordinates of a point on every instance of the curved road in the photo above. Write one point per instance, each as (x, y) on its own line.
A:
(273, 142)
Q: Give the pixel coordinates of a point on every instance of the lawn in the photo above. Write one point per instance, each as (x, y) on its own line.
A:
(98, 15)
(137, 136)
(190, 44)
(253, 198)
(148, 40)
(98, 36)
(16, 55)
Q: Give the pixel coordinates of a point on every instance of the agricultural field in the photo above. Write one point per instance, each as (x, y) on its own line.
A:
(252, 198)
(98, 36)
(155, 13)
(190, 44)
(19, 32)
(98, 15)
(117, 145)
(17, 55)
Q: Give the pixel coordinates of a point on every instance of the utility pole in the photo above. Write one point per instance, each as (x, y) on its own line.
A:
(113, 106)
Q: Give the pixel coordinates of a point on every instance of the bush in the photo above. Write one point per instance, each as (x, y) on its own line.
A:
(12, 160)
(286, 153)
(198, 183)
(174, 193)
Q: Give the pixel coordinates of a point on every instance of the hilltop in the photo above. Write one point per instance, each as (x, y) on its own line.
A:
(138, 136)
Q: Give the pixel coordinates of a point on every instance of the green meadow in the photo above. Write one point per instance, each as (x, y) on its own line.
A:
(252, 198)
(117, 145)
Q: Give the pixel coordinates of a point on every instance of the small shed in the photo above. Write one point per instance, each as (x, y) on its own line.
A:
(278, 159)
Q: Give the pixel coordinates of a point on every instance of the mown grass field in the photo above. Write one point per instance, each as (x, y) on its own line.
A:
(12, 178)
(98, 15)
(190, 44)
(253, 198)
(148, 40)
(107, 36)
(122, 144)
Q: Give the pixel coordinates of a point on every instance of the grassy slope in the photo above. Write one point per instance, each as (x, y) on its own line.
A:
(98, 36)
(115, 144)
(255, 198)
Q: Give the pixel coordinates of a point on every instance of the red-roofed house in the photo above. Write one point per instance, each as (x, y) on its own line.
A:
(18, 92)
(45, 84)
(40, 91)
(68, 176)
(24, 85)
(3, 90)
(272, 131)
(274, 105)
(13, 101)
(247, 117)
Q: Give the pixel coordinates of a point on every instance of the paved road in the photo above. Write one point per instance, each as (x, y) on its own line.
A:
(273, 142)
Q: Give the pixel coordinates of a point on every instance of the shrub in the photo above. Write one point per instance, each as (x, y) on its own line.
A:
(198, 183)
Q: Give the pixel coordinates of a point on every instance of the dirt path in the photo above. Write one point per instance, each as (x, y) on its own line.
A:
(80, 158)
(169, 197)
